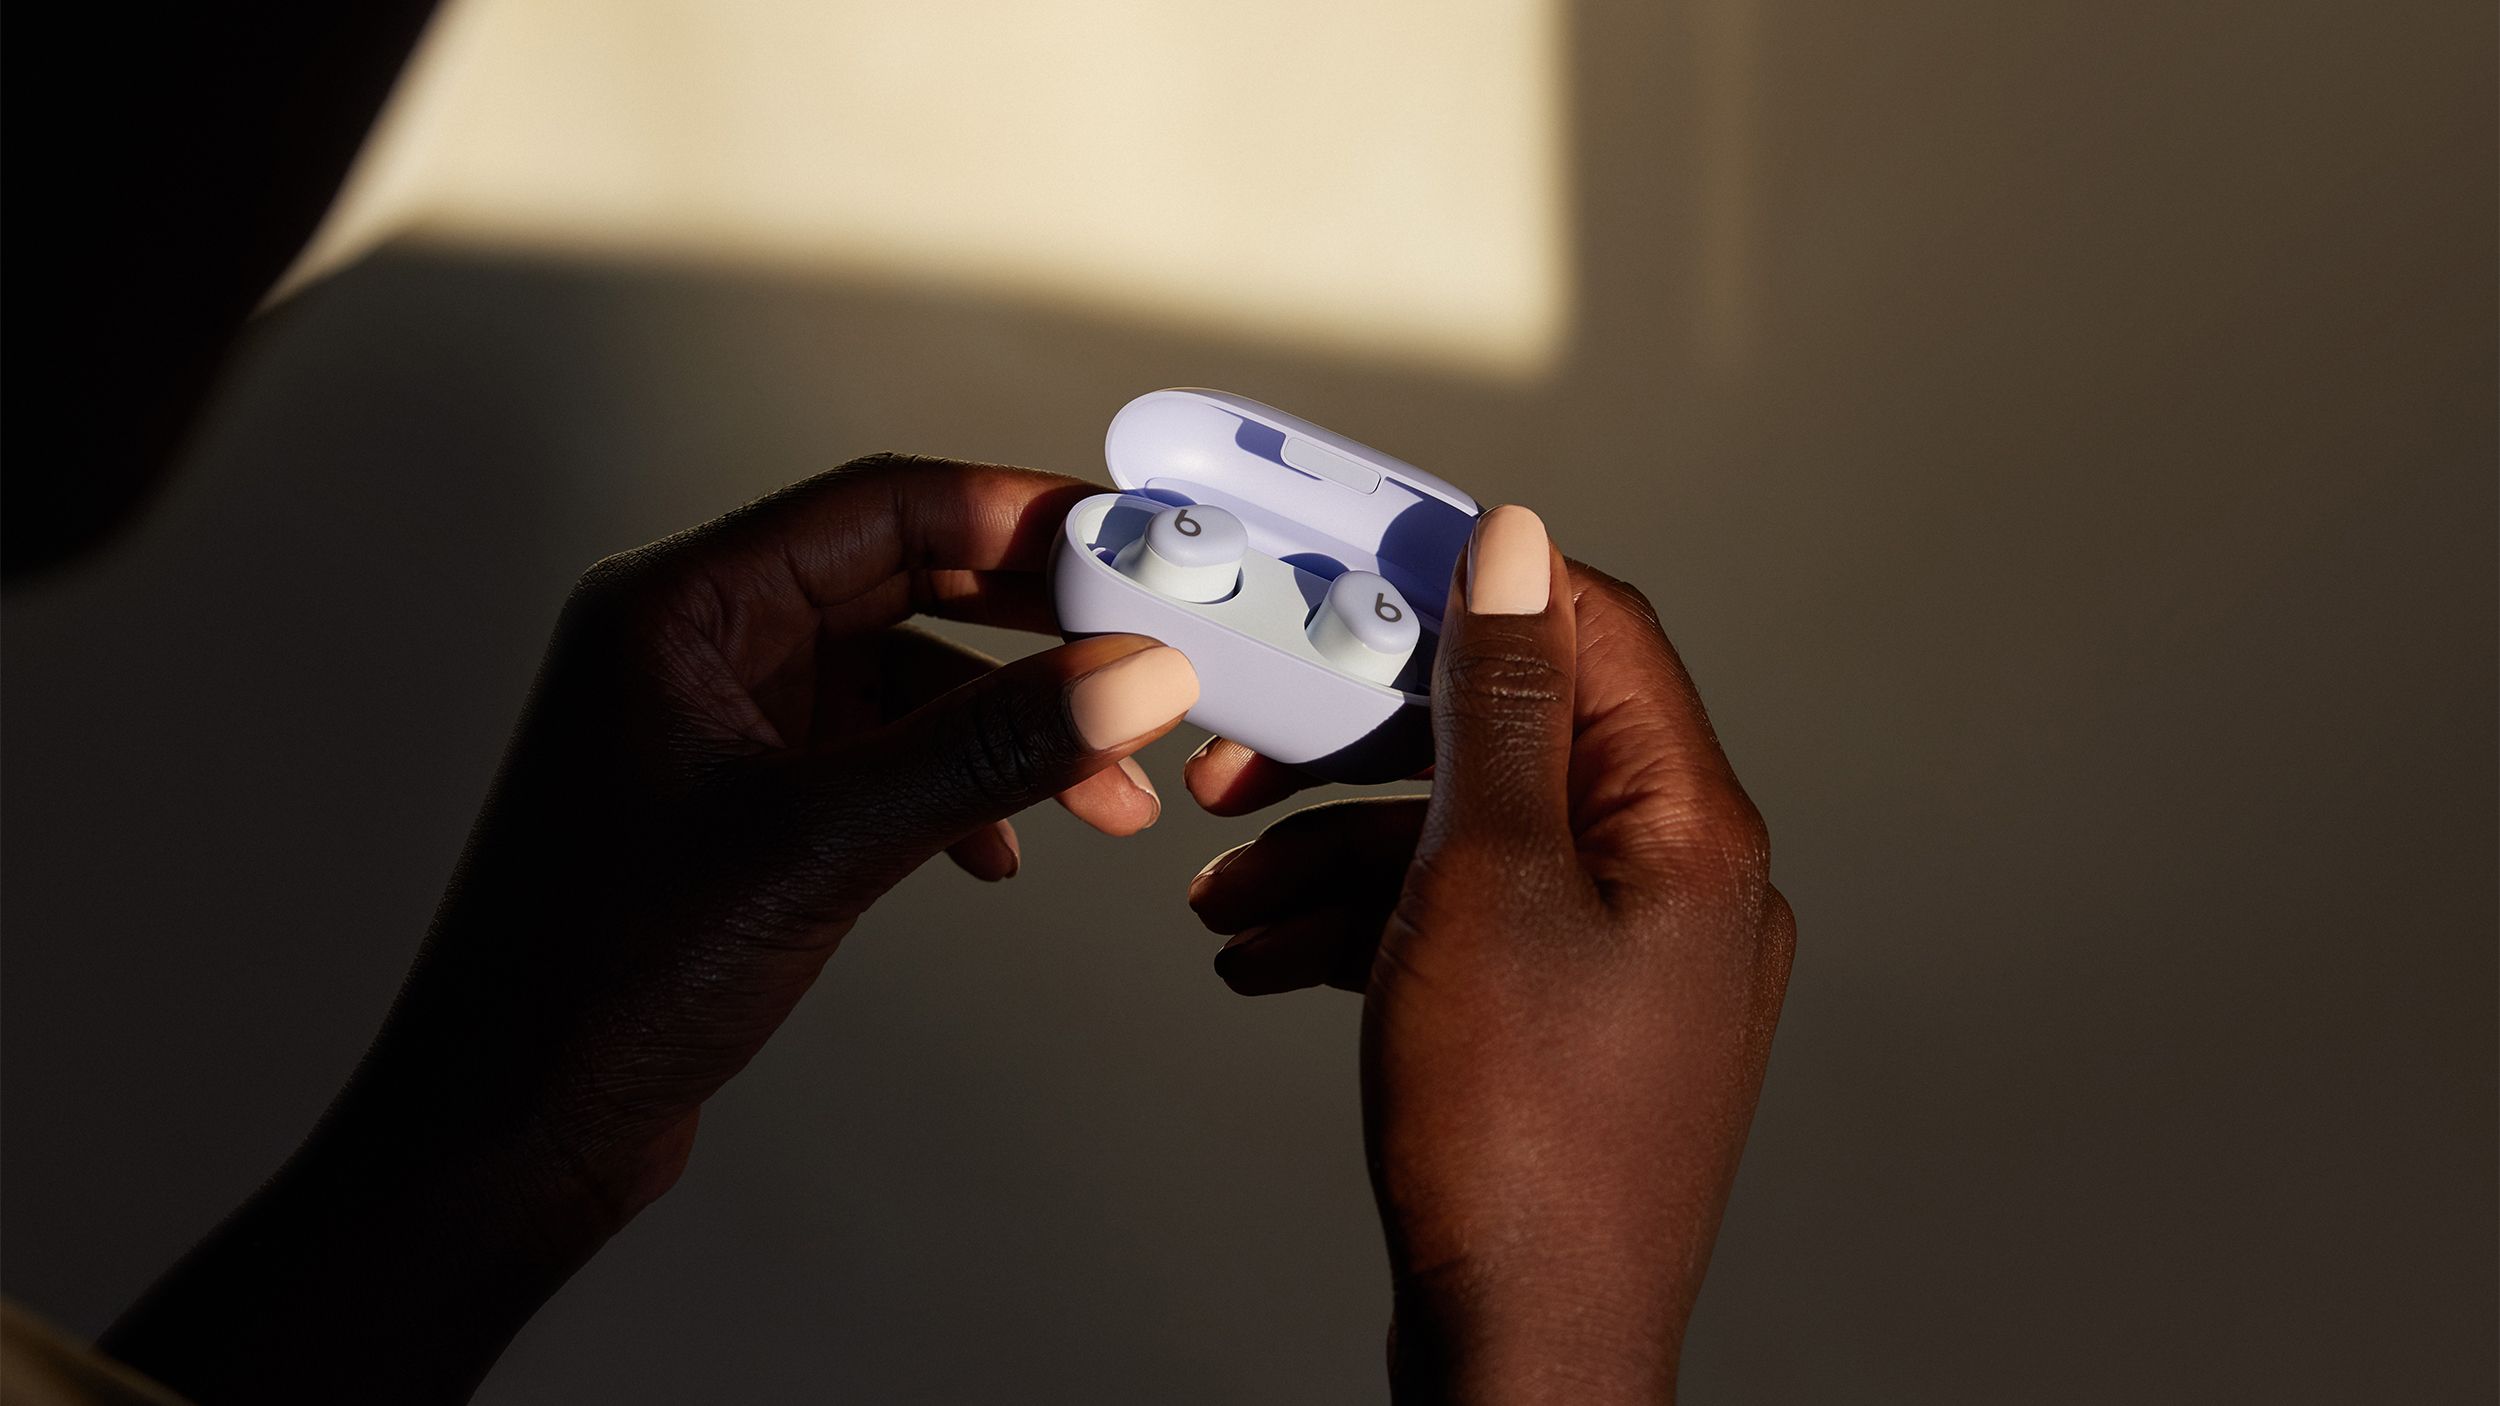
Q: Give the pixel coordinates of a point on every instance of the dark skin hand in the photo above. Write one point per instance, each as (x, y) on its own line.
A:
(1571, 955)
(735, 746)
(1571, 959)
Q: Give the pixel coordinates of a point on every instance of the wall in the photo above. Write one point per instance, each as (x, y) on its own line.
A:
(2071, 480)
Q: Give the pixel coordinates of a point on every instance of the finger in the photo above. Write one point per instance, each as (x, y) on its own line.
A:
(1651, 785)
(872, 541)
(985, 750)
(1227, 778)
(1346, 854)
(1010, 600)
(1628, 675)
(1331, 947)
(917, 666)
(1502, 693)
(989, 854)
(1117, 800)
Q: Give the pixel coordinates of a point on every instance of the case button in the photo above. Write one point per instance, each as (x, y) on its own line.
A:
(1321, 462)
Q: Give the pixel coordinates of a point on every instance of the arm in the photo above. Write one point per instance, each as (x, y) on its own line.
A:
(732, 750)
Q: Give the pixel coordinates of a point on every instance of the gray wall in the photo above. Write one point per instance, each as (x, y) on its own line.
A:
(2081, 519)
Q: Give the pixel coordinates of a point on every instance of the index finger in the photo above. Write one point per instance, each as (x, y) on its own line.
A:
(1648, 774)
(880, 538)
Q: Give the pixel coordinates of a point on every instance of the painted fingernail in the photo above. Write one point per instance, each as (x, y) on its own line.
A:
(1132, 695)
(1138, 778)
(1215, 866)
(1509, 571)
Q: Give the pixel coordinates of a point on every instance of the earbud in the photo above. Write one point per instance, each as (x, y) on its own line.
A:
(1192, 554)
(1365, 627)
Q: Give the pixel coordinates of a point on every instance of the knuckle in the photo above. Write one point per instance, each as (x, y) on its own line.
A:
(730, 526)
(616, 591)
(1005, 745)
(643, 595)
(881, 461)
(1738, 826)
(1740, 838)
(1717, 840)
(1632, 601)
(863, 466)
(613, 577)
(1779, 941)
(1615, 595)
(1501, 679)
(877, 465)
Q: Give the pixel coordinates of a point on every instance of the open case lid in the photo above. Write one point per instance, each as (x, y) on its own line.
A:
(1306, 495)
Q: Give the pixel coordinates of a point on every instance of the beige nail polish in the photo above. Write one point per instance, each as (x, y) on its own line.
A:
(1132, 695)
(1138, 778)
(1509, 570)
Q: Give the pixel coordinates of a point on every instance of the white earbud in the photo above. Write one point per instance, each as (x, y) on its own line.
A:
(1192, 554)
(1365, 627)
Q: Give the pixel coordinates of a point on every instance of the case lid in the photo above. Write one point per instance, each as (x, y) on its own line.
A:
(1306, 495)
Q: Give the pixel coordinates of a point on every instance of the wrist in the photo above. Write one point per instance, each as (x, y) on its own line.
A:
(392, 1259)
(500, 1100)
(1477, 1334)
(511, 1187)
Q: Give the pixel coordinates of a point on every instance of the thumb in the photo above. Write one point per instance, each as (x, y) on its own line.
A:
(1502, 692)
(983, 751)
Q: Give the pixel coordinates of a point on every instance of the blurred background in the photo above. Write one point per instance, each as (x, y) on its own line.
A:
(2060, 438)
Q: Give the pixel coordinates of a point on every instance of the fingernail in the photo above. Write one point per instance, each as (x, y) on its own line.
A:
(1138, 778)
(1132, 695)
(1238, 946)
(1214, 867)
(1509, 571)
(1015, 849)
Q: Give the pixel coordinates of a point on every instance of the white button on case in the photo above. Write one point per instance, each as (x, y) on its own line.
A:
(1273, 672)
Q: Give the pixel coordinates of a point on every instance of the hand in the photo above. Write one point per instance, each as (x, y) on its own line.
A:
(1571, 958)
(733, 749)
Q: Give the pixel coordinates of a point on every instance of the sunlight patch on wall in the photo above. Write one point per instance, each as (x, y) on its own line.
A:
(1381, 177)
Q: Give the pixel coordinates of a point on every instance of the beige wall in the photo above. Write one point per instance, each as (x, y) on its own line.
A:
(2061, 437)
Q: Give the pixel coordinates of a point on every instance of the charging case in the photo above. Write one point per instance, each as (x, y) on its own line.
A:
(1314, 505)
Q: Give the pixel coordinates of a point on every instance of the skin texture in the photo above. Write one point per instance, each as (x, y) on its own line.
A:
(1570, 954)
(734, 748)
(1571, 959)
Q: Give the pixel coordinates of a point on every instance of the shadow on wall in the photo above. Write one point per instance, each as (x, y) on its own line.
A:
(2085, 547)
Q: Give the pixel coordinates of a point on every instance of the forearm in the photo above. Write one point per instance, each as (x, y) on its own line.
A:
(1518, 1341)
(382, 1264)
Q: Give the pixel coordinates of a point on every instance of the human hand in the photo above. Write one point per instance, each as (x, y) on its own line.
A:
(1572, 960)
(733, 749)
